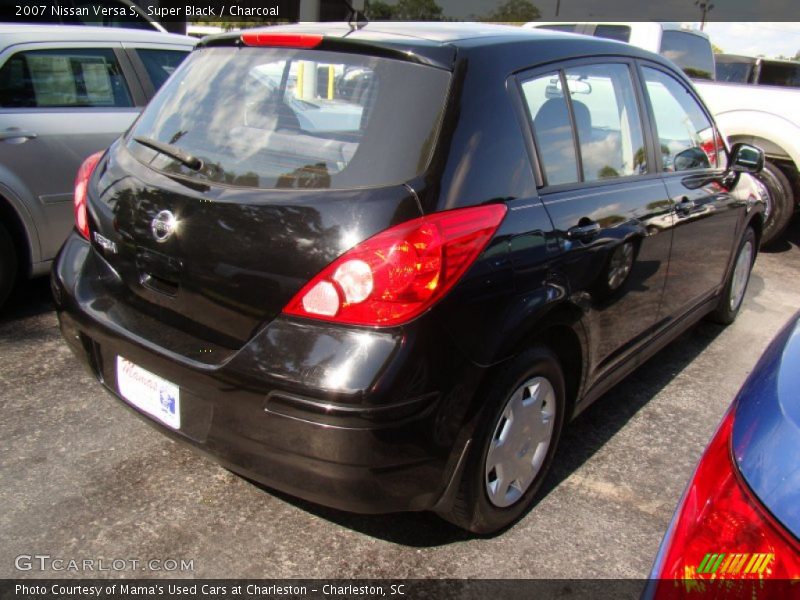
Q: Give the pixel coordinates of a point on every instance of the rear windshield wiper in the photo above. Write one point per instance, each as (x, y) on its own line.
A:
(182, 157)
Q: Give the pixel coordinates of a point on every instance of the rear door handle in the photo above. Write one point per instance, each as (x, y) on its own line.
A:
(583, 232)
(10, 134)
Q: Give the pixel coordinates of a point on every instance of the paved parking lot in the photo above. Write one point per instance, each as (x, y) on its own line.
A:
(80, 477)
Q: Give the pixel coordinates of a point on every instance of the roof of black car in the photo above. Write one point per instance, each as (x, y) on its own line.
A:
(437, 32)
(435, 43)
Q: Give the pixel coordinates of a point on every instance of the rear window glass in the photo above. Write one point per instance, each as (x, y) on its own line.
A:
(566, 28)
(691, 52)
(777, 73)
(621, 33)
(277, 118)
(734, 72)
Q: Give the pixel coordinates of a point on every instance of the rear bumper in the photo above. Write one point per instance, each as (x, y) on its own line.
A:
(362, 421)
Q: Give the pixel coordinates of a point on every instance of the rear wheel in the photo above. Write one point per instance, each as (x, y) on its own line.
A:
(732, 296)
(8, 264)
(780, 204)
(514, 443)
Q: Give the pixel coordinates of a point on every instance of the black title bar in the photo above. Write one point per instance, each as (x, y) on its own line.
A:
(271, 11)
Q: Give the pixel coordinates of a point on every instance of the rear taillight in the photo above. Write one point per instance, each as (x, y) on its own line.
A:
(281, 40)
(720, 530)
(399, 273)
(81, 191)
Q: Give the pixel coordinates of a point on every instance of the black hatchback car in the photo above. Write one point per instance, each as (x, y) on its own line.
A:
(381, 268)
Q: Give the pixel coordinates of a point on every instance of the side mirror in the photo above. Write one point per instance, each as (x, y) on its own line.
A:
(745, 158)
(691, 158)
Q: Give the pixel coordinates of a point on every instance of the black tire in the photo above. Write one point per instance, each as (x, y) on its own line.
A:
(781, 200)
(8, 264)
(472, 509)
(726, 311)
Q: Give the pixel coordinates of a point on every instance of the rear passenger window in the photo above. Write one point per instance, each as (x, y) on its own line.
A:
(608, 128)
(70, 77)
(608, 123)
(685, 134)
(160, 64)
(552, 128)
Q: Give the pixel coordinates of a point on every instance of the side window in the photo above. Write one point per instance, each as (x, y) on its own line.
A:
(160, 64)
(777, 73)
(565, 27)
(70, 77)
(685, 134)
(734, 72)
(551, 128)
(607, 119)
(690, 51)
(621, 33)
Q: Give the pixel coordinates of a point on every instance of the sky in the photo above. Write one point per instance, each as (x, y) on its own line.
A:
(748, 37)
(752, 39)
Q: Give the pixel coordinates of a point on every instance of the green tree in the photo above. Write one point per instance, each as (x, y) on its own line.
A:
(607, 171)
(716, 49)
(417, 10)
(513, 11)
(379, 11)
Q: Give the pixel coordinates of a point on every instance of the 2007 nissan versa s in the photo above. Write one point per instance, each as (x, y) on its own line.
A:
(380, 269)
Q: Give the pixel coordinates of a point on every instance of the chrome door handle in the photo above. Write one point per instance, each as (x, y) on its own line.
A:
(583, 232)
(10, 134)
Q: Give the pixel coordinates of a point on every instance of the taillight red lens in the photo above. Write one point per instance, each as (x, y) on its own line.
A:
(282, 40)
(399, 273)
(721, 531)
(81, 190)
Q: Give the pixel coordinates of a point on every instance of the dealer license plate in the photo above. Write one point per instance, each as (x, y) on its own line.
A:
(150, 393)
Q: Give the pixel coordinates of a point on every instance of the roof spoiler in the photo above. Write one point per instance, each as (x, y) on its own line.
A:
(441, 56)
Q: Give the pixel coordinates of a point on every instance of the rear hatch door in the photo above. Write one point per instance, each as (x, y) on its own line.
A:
(251, 170)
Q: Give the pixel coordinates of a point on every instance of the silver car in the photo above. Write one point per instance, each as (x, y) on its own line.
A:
(65, 93)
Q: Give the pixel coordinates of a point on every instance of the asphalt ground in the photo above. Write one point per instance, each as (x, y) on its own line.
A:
(82, 478)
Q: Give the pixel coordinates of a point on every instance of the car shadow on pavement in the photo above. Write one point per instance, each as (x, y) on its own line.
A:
(414, 529)
(581, 439)
(590, 431)
(29, 298)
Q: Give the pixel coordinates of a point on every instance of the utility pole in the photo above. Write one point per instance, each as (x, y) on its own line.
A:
(705, 8)
(558, 6)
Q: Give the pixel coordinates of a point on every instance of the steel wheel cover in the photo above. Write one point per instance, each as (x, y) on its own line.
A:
(520, 441)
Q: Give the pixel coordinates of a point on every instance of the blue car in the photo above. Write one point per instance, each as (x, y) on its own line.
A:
(739, 518)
